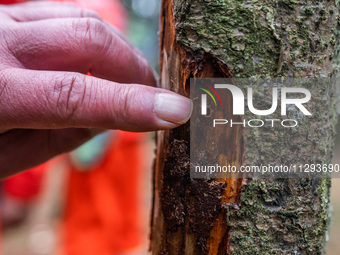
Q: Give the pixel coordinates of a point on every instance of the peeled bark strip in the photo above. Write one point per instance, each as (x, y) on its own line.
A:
(232, 38)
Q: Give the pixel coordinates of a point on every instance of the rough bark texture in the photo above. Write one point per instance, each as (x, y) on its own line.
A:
(235, 38)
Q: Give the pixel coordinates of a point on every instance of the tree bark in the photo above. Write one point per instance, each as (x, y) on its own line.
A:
(232, 38)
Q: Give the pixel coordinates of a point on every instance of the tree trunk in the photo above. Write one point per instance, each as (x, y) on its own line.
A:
(235, 38)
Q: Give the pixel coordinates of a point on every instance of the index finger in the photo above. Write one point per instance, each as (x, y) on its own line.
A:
(80, 45)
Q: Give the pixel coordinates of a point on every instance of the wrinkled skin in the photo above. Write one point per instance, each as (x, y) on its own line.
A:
(48, 105)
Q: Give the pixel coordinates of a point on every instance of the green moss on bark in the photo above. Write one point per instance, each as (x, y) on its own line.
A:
(250, 37)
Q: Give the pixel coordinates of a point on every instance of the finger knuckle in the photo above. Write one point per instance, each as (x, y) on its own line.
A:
(127, 97)
(68, 96)
(91, 34)
(4, 80)
(10, 39)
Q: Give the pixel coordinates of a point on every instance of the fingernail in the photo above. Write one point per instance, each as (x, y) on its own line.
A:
(172, 108)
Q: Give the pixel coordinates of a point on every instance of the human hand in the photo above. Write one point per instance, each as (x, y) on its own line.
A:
(48, 105)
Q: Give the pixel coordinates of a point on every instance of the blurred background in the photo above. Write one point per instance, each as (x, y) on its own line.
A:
(44, 210)
(101, 191)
